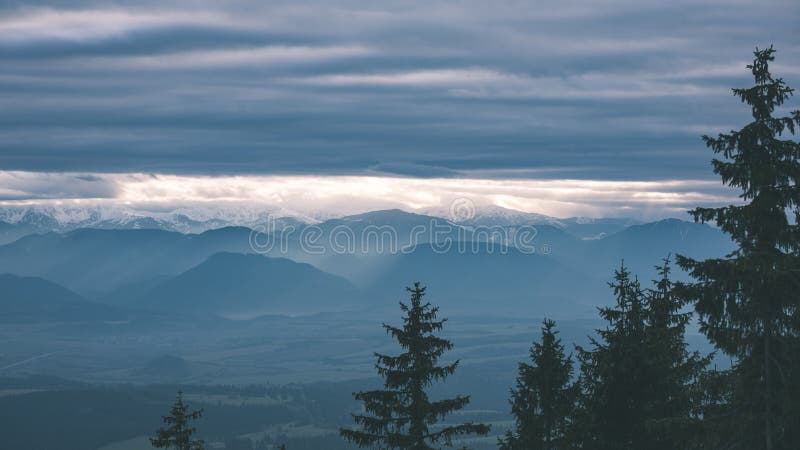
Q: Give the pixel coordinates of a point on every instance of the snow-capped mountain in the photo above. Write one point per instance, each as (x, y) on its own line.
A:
(470, 215)
(489, 215)
(50, 218)
(17, 221)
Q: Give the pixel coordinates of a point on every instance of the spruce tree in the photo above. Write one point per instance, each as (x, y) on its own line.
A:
(178, 432)
(401, 416)
(748, 301)
(674, 371)
(613, 382)
(639, 381)
(543, 399)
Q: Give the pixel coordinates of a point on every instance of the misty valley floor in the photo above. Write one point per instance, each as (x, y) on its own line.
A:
(315, 360)
(275, 349)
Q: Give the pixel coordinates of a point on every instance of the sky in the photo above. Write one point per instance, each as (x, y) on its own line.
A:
(562, 108)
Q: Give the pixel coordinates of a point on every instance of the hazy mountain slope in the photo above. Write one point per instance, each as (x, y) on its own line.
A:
(490, 279)
(588, 228)
(129, 293)
(355, 247)
(10, 232)
(91, 261)
(546, 240)
(239, 284)
(358, 247)
(643, 246)
(574, 273)
(120, 265)
(32, 299)
(390, 228)
(579, 227)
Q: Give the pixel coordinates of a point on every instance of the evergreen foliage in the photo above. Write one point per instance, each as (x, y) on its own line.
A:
(544, 397)
(613, 383)
(178, 432)
(673, 420)
(638, 380)
(401, 416)
(748, 301)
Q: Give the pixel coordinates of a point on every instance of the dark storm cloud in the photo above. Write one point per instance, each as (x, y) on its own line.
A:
(608, 90)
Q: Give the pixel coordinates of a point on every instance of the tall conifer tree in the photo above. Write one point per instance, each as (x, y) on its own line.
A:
(543, 399)
(613, 380)
(401, 416)
(674, 371)
(748, 301)
(638, 382)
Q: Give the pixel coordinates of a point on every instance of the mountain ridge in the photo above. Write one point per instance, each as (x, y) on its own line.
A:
(250, 285)
(34, 299)
(46, 218)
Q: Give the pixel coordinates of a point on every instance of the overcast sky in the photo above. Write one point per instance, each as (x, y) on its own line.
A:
(529, 90)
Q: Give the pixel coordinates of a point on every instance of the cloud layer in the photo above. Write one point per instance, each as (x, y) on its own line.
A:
(330, 195)
(609, 90)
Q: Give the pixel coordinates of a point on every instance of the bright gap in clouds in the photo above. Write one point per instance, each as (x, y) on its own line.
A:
(331, 195)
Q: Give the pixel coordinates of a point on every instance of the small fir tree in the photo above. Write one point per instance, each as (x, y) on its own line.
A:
(177, 434)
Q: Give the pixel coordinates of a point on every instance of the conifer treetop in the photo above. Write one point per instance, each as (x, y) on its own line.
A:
(177, 433)
(401, 416)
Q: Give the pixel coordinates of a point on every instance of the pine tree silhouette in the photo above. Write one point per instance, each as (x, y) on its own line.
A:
(177, 434)
(749, 301)
(613, 383)
(401, 416)
(639, 382)
(543, 399)
(674, 371)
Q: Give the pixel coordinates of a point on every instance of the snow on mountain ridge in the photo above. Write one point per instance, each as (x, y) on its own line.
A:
(187, 219)
(200, 218)
(490, 215)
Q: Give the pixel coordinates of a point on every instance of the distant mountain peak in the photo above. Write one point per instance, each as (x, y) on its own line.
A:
(47, 218)
(20, 221)
(470, 214)
(388, 216)
(250, 284)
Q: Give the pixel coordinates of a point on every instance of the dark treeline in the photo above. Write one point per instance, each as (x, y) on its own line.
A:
(636, 385)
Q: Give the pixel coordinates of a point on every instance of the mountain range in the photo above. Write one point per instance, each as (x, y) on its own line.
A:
(18, 221)
(339, 264)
